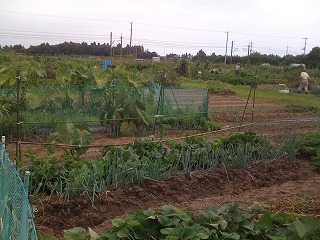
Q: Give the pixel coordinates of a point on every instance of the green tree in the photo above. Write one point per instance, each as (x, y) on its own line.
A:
(201, 55)
(182, 68)
(313, 58)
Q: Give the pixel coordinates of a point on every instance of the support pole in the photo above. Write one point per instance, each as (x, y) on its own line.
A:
(253, 87)
(18, 124)
(24, 208)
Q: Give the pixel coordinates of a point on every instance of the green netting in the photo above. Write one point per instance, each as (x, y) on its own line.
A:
(57, 98)
(42, 107)
(16, 216)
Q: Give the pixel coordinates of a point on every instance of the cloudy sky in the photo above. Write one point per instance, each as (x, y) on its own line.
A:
(167, 26)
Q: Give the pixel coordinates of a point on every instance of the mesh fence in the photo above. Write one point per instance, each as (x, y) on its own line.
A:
(16, 216)
(102, 107)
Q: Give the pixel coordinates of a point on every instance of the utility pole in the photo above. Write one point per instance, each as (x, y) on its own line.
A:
(130, 35)
(305, 45)
(248, 53)
(111, 46)
(121, 45)
(231, 52)
(250, 47)
(225, 55)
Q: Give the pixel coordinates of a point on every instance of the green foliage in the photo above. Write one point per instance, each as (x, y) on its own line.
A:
(245, 137)
(313, 58)
(300, 109)
(79, 233)
(145, 160)
(227, 222)
(310, 146)
(7, 115)
(70, 134)
(182, 68)
(46, 173)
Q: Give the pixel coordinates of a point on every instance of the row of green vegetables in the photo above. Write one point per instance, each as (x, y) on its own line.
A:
(226, 222)
(146, 160)
(232, 222)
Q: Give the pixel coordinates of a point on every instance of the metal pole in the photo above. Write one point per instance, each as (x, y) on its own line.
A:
(18, 78)
(255, 84)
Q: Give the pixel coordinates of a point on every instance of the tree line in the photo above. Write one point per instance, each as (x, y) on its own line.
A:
(311, 60)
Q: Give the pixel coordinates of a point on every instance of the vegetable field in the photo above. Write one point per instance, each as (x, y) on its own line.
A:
(287, 184)
(145, 139)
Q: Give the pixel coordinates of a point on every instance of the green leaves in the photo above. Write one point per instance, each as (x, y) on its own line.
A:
(79, 233)
(70, 134)
(306, 227)
(171, 223)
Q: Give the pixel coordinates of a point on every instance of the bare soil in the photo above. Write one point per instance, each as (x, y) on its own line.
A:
(280, 181)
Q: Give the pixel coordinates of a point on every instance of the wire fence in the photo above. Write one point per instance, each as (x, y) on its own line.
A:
(16, 216)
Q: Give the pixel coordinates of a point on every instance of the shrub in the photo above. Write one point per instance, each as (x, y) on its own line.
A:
(310, 147)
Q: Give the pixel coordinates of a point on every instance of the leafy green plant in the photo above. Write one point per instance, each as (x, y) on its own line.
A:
(68, 133)
(310, 146)
(300, 109)
(145, 160)
(227, 222)
(7, 115)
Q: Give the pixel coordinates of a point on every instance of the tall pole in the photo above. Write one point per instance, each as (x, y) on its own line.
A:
(111, 47)
(231, 52)
(250, 47)
(225, 55)
(287, 51)
(248, 53)
(18, 127)
(305, 46)
(121, 45)
(130, 36)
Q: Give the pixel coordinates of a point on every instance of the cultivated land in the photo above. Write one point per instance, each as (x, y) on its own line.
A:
(283, 183)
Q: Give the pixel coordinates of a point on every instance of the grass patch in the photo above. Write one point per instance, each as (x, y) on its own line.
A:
(298, 102)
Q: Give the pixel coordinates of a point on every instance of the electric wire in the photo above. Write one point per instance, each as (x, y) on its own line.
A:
(192, 41)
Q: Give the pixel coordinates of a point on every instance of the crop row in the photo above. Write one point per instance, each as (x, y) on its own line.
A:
(147, 160)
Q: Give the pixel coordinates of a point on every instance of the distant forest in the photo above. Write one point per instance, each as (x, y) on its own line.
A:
(311, 60)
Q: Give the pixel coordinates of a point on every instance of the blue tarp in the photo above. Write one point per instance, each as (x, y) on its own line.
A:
(106, 64)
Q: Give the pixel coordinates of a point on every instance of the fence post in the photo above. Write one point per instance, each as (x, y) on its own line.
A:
(3, 141)
(24, 208)
(18, 78)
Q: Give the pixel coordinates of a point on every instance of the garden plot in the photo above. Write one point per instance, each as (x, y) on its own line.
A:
(283, 181)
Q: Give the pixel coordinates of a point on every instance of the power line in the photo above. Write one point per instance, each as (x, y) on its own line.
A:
(146, 24)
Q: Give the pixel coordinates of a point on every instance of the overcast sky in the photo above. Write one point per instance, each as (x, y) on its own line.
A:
(167, 26)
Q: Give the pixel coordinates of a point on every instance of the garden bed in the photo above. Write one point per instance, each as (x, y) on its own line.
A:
(276, 182)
